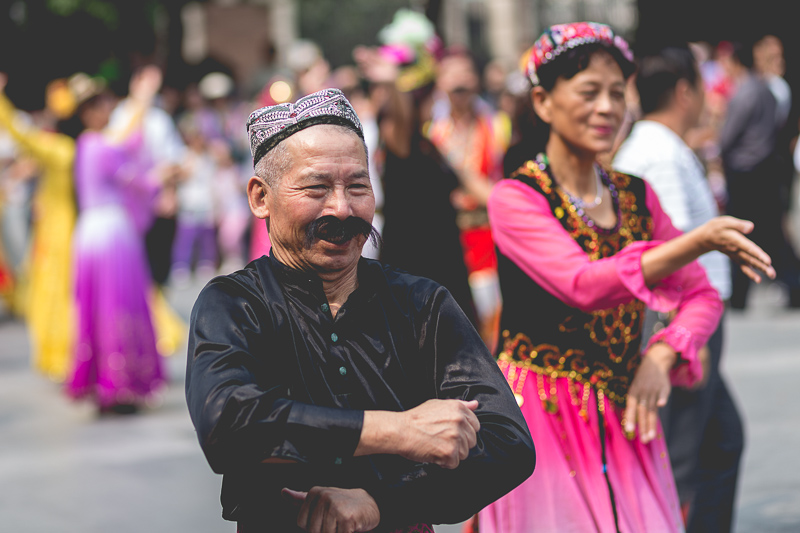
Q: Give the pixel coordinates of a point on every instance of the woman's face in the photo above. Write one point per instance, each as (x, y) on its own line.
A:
(586, 111)
(96, 115)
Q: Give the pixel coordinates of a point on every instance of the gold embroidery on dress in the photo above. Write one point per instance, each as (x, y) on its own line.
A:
(616, 331)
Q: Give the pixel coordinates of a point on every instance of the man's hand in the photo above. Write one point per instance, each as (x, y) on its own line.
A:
(439, 431)
(649, 390)
(334, 510)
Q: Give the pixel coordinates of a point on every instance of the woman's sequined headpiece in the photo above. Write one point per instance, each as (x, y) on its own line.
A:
(560, 38)
(270, 125)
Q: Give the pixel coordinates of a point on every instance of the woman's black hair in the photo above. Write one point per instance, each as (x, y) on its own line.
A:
(575, 60)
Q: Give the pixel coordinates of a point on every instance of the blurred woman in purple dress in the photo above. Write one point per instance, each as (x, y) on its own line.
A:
(116, 360)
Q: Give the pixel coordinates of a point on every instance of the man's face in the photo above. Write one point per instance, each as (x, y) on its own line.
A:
(328, 177)
(457, 78)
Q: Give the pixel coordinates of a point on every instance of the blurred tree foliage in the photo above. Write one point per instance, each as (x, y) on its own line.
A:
(46, 39)
(339, 26)
(41, 40)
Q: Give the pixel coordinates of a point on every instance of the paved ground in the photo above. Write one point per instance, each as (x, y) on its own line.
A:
(63, 469)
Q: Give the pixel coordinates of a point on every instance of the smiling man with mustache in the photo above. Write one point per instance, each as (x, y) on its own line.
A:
(335, 393)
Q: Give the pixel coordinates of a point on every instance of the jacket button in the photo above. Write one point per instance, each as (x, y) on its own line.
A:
(334, 337)
(343, 370)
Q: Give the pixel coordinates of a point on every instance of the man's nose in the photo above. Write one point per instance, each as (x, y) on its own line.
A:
(339, 204)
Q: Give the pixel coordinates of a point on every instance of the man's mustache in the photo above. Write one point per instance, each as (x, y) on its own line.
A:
(336, 231)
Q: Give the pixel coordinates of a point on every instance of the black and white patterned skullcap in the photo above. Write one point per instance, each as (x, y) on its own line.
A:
(270, 125)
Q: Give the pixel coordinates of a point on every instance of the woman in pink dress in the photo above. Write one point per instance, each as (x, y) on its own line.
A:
(581, 252)
(116, 360)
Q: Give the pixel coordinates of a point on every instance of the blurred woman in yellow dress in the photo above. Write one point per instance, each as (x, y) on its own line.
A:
(48, 287)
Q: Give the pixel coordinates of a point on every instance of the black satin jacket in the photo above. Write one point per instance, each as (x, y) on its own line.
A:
(272, 376)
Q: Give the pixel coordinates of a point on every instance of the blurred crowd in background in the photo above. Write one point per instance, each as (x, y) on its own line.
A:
(477, 117)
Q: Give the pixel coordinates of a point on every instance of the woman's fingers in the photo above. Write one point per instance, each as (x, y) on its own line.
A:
(753, 264)
(739, 224)
(631, 407)
(644, 427)
(740, 244)
(750, 273)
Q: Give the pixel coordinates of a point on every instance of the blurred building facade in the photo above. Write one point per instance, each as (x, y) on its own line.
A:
(503, 29)
(234, 30)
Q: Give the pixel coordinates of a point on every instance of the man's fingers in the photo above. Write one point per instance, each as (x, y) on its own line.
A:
(317, 510)
(330, 523)
(463, 451)
(472, 439)
(471, 405)
(295, 497)
(473, 421)
(303, 515)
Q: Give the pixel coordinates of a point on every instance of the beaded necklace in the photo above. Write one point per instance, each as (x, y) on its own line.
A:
(580, 205)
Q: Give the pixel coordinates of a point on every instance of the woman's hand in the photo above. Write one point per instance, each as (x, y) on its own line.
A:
(145, 84)
(3, 81)
(649, 390)
(373, 66)
(727, 235)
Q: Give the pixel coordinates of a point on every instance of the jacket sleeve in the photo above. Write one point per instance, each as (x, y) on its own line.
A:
(504, 456)
(238, 395)
(48, 148)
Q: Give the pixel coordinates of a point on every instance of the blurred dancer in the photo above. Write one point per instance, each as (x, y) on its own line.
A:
(49, 310)
(164, 147)
(420, 234)
(465, 135)
(701, 424)
(116, 360)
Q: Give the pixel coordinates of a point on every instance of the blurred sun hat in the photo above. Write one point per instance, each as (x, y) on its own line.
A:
(64, 96)
(410, 41)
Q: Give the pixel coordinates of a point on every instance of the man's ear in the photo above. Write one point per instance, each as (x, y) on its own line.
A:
(541, 103)
(258, 194)
(681, 95)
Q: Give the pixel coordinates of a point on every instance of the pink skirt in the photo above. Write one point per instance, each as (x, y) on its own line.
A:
(568, 491)
(116, 360)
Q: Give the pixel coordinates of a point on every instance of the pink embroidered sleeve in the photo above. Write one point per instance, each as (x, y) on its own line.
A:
(525, 230)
